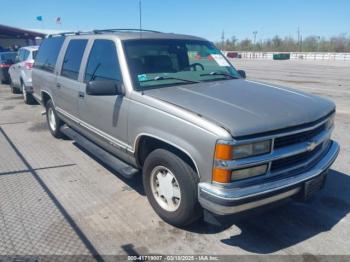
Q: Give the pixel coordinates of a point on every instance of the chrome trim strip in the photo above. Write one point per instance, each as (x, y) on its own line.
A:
(275, 154)
(113, 141)
(235, 194)
(225, 210)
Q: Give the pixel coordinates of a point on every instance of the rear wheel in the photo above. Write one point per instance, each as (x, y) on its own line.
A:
(171, 187)
(14, 89)
(53, 120)
(28, 98)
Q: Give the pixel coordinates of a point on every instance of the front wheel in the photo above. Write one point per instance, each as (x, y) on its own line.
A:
(53, 120)
(171, 187)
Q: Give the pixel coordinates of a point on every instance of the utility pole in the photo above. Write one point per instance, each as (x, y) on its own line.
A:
(255, 33)
(222, 39)
(299, 39)
(140, 18)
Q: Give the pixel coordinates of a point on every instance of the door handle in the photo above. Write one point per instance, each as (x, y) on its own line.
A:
(81, 94)
(58, 85)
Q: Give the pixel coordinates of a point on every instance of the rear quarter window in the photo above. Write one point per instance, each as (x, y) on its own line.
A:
(47, 54)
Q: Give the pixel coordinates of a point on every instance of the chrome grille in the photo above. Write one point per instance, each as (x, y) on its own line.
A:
(295, 160)
(299, 137)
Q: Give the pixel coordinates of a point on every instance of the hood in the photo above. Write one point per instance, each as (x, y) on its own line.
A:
(246, 107)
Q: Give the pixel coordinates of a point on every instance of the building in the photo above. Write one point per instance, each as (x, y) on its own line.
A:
(12, 37)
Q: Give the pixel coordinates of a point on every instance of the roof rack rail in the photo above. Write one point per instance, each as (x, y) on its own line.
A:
(68, 33)
(100, 31)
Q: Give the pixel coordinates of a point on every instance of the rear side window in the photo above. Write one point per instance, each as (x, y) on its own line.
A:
(72, 58)
(26, 54)
(103, 62)
(22, 55)
(48, 53)
(34, 54)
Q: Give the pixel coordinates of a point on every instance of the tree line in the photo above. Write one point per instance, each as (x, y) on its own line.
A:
(339, 44)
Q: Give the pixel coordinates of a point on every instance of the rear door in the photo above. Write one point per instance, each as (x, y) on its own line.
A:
(68, 84)
(104, 116)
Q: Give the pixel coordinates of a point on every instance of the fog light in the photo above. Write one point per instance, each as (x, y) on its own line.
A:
(248, 172)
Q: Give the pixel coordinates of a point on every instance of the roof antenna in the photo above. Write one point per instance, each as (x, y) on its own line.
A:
(140, 13)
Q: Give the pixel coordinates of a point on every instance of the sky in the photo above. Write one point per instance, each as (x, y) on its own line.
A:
(206, 18)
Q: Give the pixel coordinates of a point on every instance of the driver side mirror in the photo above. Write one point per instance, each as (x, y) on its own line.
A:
(104, 88)
(242, 73)
(17, 59)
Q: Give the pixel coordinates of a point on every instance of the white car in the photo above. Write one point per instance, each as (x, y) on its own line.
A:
(21, 73)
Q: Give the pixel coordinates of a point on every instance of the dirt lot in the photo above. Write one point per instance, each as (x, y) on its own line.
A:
(56, 199)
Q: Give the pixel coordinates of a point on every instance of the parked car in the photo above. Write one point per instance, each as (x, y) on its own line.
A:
(21, 73)
(203, 136)
(6, 60)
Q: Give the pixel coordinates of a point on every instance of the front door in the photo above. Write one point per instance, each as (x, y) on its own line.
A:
(104, 116)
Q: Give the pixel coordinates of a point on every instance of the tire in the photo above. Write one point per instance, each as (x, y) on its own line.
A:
(183, 210)
(28, 98)
(14, 90)
(53, 121)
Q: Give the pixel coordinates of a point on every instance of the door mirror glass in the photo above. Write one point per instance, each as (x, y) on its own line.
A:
(104, 88)
(242, 73)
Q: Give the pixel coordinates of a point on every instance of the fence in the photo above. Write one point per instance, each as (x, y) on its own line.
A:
(293, 55)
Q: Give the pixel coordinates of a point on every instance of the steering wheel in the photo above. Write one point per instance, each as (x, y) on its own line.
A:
(194, 66)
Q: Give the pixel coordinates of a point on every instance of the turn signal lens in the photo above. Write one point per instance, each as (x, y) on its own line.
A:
(221, 175)
(223, 152)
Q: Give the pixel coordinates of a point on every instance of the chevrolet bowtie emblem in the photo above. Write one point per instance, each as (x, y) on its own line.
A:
(311, 146)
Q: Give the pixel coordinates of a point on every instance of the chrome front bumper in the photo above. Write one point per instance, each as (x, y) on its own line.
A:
(222, 200)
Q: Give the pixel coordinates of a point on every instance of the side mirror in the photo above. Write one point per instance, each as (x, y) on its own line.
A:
(242, 74)
(17, 59)
(104, 88)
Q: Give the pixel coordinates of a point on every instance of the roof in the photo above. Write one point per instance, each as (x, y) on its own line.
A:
(150, 35)
(14, 32)
(130, 34)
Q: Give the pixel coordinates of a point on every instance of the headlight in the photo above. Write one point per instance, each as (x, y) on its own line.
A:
(248, 172)
(227, 152)
(258, 148)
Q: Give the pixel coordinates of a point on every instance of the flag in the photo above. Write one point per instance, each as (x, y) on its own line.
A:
(58, 20)
(39, 18)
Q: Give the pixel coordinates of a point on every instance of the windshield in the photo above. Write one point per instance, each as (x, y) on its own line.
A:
(8, 57)
(159, 63)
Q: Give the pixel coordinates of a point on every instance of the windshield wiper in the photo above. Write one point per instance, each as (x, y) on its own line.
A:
(220, 74)
(158, 78)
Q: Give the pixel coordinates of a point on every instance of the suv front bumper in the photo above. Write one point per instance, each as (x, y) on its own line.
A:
(222, 200)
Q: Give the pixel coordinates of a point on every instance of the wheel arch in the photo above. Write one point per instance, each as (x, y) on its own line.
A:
(45, 96)
(146, 143)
